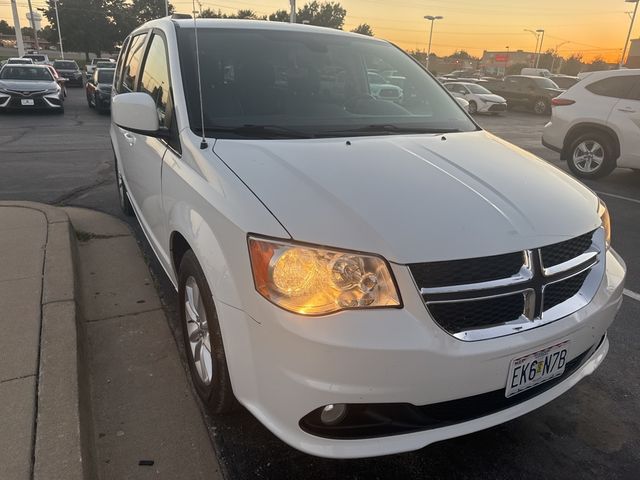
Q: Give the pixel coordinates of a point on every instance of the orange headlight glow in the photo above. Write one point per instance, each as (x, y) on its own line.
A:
(317, 281)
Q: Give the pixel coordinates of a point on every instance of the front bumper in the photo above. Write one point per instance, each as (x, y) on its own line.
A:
(284, 366)
(40, 102)
(489, 107)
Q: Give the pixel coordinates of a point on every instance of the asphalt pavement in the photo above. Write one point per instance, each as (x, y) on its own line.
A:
(593, 431)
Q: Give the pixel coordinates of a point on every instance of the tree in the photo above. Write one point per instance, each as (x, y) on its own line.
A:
(49, 34)
(597, 65)
(462, 55)
(145, 10)
(89, 24)
(326, 14)
(240, 15)
(280, 16)
(572, 65)
(6, 29)
(363, 29)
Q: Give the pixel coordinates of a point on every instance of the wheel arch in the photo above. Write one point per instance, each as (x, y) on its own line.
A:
(586, 127)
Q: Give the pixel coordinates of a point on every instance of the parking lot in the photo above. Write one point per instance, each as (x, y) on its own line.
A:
(593, 431)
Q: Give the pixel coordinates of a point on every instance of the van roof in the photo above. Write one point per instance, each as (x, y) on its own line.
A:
(207, 23)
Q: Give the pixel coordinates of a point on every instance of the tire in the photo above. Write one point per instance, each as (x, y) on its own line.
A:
(123, 199)
(89, 101)
(200, 327)
(591, 155)
(541, 106)
(473, 107)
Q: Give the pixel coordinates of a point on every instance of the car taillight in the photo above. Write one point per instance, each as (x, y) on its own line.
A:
(560, 102)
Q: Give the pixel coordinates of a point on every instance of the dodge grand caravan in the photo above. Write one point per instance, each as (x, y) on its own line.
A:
(366, 276)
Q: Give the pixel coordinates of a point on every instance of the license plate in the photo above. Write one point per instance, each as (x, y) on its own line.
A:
(26, 102)
(535, 368)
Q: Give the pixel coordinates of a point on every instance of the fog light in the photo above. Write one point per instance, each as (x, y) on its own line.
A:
(333, 414)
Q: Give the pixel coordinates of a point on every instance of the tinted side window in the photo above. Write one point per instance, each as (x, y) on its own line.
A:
(618, 87)
(635, 93)
(120, 64)
(155, 77)
(132, 63)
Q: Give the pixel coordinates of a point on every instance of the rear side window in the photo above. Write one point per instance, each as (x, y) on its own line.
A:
(132, 64)
(617, 87)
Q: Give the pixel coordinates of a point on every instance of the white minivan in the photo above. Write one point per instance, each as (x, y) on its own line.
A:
(366, 276)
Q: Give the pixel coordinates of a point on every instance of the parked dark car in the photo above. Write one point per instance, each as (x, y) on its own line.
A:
(99, 89)
(69, 69)
(533, 93)
(564, 81)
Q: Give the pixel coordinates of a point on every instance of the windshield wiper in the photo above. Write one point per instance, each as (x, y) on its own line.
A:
(260, 131)
(389, 129)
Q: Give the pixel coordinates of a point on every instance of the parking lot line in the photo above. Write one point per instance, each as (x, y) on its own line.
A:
(630, 294)
(634, 200)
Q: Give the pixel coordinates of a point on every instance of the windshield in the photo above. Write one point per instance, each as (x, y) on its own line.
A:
(19, 61)
(65, 65)
(25, 73)
(545, 83)
(95, 61)
(105, 76)
(473, 88)
(310, 83)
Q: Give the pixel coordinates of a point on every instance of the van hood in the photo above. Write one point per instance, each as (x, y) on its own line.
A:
(413, 198)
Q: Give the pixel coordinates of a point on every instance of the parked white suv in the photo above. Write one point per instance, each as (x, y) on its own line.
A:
(365, 276)
(595, 125)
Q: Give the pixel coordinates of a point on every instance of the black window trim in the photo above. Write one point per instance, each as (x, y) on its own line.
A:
(145, 45)
(174, 118)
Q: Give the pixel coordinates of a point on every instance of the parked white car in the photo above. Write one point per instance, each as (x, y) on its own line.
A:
(366, 277)
(38, 58)
(90, 67)
(383, 89)
(480, 99)
(595, 125)
(536, 72)
(18, 61)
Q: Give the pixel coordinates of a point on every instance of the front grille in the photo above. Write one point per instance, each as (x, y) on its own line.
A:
(498, 107)
(558, 292)
(493, 296)
(471, 270)
(463, 316)
(565, 251)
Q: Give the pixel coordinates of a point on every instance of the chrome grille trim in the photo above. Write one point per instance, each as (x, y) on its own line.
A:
(531, 282)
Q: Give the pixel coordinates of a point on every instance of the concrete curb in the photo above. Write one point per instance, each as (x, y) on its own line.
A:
(63, 436)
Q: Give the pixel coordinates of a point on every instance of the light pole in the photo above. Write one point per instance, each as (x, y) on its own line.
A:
(16, 24)
(55, 3)
(292, 17)
(553, 63)
(540, 30)
(33, 26)
(432, 19)
(537, 35)
(633, 18)
(166, 8)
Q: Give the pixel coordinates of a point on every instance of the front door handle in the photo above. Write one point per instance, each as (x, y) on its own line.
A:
(627, 110)
(131, 138)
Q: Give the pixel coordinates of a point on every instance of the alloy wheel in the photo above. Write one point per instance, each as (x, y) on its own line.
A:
(588, 156)
(540, 107)
(198, 331)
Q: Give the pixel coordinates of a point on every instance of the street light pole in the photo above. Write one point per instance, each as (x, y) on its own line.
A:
(432, 19)
(553, 63)
(633, 18)
(166, 8)
(540, 30)
(537, 35)
(16, 24)
(292, 16)
(55, 3)
(33, 26)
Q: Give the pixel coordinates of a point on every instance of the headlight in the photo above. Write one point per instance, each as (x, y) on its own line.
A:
(603, 213)
(52, 90)
(313, 280)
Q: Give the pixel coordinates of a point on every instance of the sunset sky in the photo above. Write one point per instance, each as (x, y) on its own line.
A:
(593, 27)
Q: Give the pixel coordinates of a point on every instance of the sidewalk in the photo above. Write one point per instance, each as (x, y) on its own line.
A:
(39, 396)
(91, 381)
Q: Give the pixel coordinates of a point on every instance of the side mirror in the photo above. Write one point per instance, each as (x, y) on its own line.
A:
(463, 103)
(137, 112)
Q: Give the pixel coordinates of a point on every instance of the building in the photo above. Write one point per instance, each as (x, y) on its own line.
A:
(496, 63)
(633, 60)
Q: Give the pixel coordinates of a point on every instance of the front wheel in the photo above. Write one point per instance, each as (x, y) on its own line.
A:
(541, 106)
(203, 339)
(591, 156)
